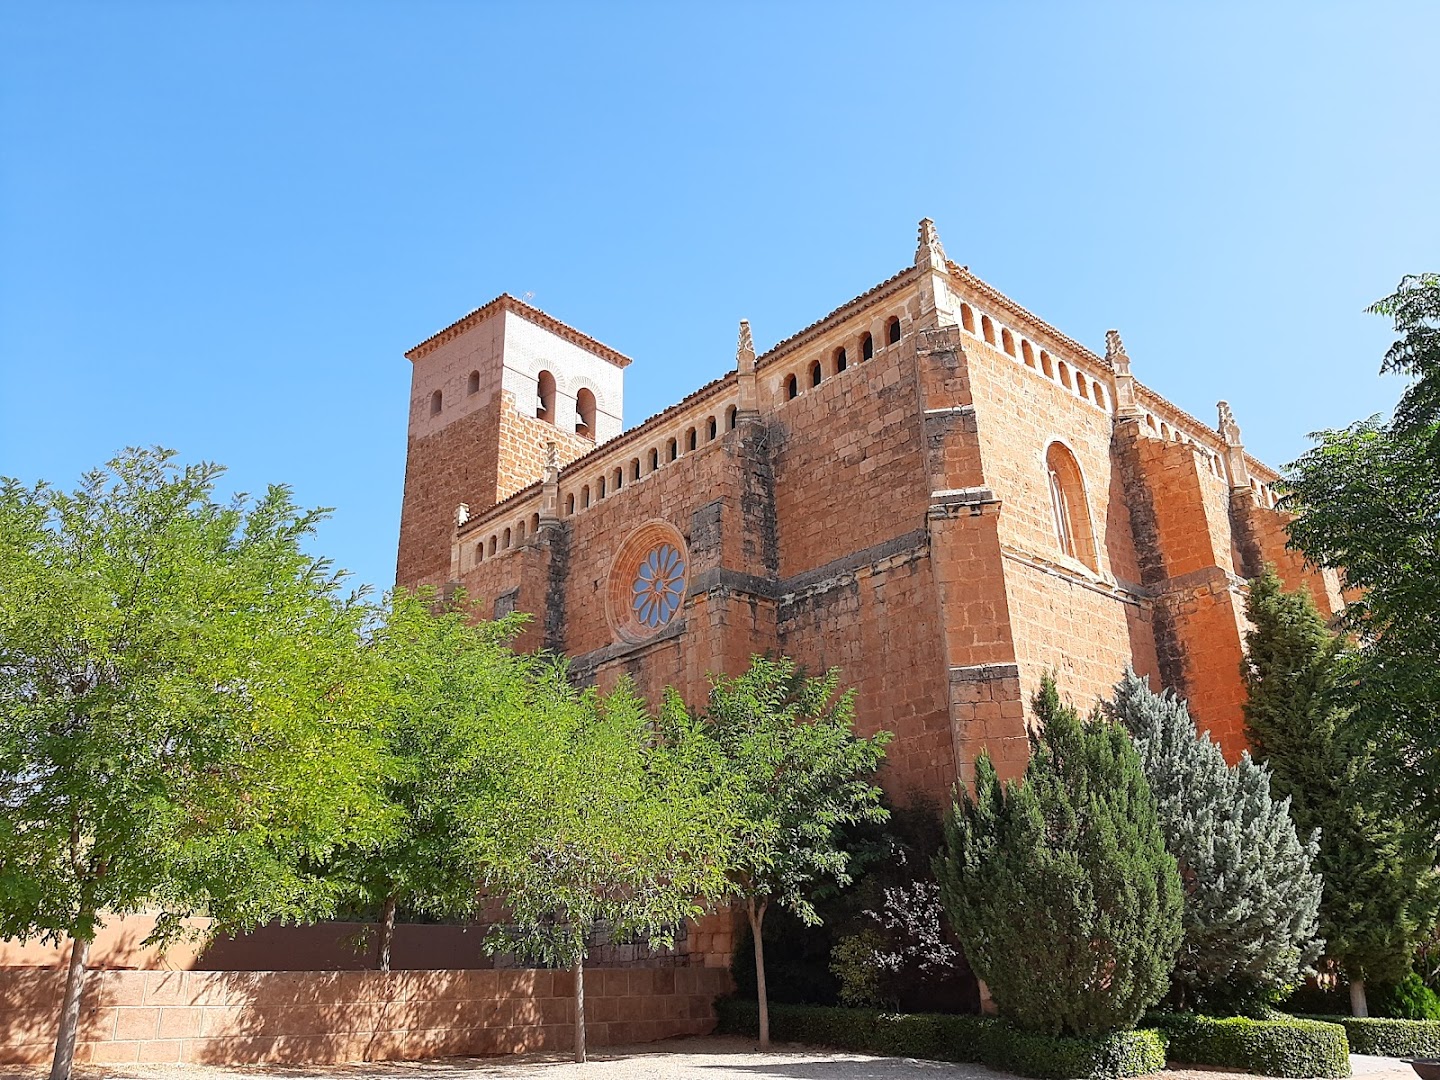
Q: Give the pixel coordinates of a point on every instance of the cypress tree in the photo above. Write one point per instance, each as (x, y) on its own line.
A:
(1381, 891)
(1060, 888)
(1251, 893)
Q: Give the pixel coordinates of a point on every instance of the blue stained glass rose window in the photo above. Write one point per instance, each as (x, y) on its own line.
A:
(658, 586)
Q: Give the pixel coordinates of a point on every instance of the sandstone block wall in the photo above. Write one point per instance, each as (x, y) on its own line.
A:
(237, 1018)
(885, 505)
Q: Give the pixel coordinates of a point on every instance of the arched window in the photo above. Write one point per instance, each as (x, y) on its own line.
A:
(635, 468)
(816, 374)
(480, 551)
(472, 386)
(867, 348)
(507, 538)
(839, 360)
(987, 329)
(654, 460)
(585, 413)
(792, 388)
(1047, 368)
(1027, 354)
(520, 532)
(494, 543)
(892, 332)
(437, 402)
(1150, 420)
(1099, 395)
(1068, 505)
(1164, 430)
(569, 504)
(1065, 376)
(1082, 385)
(967, 318)
(1007, 342)
(585, 497)
(618, 480)
(534, 524)
(730, 415)
(711, 429)
(692, 440)
(673, 450)
(600, 488)
(545, 396)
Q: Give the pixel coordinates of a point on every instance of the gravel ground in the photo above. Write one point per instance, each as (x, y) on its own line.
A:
(678, 1059)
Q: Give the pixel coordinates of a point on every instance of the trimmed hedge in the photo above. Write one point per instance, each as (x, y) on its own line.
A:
(1389, 1038)
(1290, 1047)
(978, 1040)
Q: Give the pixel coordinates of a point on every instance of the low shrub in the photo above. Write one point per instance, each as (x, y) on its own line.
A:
(1408, 999)
(1389, 1038)
(1058, 1057)
(972, 1039)
(1292, 1046)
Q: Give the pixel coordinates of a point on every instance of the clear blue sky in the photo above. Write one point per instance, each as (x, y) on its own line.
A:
(221, 225)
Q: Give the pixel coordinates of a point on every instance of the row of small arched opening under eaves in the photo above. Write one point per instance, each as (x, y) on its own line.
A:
(613, 480)
(839, 360)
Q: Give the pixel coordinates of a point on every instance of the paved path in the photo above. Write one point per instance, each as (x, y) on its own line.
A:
(678, 1059)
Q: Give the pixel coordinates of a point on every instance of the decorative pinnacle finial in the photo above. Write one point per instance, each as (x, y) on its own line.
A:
(1229, 429)
(1115, 353)
(745, 350)
(552, 455)
(929, 251)
(462, 514)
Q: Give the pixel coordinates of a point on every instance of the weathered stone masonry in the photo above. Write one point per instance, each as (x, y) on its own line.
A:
(929, 487)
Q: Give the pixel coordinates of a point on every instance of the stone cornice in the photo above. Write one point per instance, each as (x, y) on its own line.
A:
(800, 338)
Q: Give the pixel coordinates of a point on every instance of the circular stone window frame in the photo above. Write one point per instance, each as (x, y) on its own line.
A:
(620, 612)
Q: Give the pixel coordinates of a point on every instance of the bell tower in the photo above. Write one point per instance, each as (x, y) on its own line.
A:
(487, 394)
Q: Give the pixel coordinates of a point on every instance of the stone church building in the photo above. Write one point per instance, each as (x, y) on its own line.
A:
(929, 487)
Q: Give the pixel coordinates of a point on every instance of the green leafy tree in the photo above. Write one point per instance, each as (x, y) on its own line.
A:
(1059, 886)
(798, 773)
(1368, 505)
(183, 710)
(1252, 895)
(447, 686)
(601, 819)
(1381, 890)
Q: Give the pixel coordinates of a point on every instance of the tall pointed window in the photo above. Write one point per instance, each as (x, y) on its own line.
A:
(1063, 533)
(1073, 534)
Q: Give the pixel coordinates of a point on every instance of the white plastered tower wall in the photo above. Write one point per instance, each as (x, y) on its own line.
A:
(528, 350)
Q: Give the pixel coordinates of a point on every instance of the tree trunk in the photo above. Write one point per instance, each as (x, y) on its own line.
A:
(387, 932)
(70, 1010)
(580, 1009)
(1358, 1005)
(757, 921)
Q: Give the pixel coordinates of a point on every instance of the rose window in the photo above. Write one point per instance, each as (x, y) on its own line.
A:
(647, 587)
(659, 585)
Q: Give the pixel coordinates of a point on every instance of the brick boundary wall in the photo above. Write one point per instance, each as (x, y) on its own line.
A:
(330, 1017)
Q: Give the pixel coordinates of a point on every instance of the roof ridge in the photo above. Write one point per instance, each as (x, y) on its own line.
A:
(542, 319)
